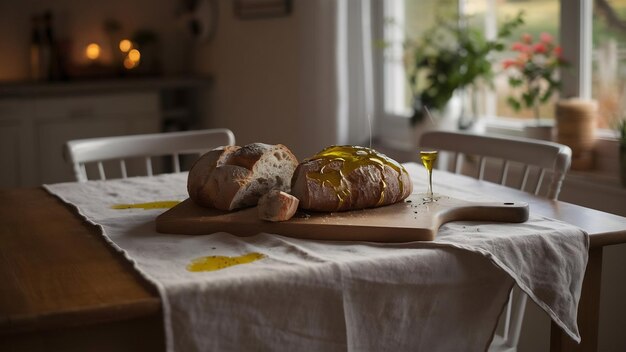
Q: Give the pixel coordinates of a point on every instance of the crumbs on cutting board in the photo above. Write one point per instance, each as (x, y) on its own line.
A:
(418, 206)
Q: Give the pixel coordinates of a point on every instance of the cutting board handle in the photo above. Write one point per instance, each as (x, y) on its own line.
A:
(493, 211)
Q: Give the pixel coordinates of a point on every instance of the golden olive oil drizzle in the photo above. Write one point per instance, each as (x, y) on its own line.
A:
(351, 158)
(218, 262)
(150, 205)
(428, 158)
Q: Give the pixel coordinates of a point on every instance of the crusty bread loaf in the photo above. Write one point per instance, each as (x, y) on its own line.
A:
(240, 175)
(198, 179)
(277, 205)
(347, 178)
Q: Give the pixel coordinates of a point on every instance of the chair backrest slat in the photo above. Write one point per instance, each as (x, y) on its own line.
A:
(504, 173)
(101, 171)
(457, 163)
(148, 165)
(540, 181)
(123, 168)
(175, 163)
(481, 167)
(526, 171)
(96, 150)
(80, 172)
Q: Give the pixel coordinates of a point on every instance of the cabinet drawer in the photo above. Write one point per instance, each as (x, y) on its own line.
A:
(91, 106)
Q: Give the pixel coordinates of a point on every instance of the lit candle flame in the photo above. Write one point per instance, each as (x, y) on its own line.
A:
(134, 55)
(92, 51)
(129, 64)
(125, 45)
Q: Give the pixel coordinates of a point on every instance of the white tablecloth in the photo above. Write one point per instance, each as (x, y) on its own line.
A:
(444, 295)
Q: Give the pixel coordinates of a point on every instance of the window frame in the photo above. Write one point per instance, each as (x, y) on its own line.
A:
(576, 17)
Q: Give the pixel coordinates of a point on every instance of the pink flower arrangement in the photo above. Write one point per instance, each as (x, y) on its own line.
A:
(534, 69)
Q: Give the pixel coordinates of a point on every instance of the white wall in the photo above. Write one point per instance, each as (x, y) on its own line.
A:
(255, 67)
(273, 77)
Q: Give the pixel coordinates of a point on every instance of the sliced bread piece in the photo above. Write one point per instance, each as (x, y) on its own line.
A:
(277, 205)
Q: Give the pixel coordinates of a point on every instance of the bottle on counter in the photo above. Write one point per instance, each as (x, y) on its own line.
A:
(36, 54)
(54, 68)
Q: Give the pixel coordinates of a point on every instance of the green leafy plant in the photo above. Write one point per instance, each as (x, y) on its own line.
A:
(449, 57)
(534, 71)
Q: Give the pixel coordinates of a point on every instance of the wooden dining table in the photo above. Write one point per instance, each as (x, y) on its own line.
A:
(63, 287)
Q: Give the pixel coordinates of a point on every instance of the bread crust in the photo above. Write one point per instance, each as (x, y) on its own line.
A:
(238, 176)
(368, 185)
(197, 180)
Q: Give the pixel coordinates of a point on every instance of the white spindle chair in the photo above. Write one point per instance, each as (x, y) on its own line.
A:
(97, 150)
(544, 157)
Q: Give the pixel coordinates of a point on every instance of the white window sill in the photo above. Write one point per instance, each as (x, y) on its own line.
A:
(489, 125)
(606, 151)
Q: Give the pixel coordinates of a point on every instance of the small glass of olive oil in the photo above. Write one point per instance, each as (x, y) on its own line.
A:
(428, 159)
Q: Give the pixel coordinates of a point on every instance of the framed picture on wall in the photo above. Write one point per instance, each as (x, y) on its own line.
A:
(254, 9)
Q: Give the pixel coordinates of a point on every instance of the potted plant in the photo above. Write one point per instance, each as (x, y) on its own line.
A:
(448, 58)
(534, 73)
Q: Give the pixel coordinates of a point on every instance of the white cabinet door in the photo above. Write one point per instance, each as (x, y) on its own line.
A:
(51, 135)
(17, 166)
(34, 130)
(61, 120)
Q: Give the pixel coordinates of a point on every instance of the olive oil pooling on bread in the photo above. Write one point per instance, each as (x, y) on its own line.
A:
(351, 158)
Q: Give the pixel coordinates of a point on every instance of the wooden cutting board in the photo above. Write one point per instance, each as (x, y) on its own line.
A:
(410, 220)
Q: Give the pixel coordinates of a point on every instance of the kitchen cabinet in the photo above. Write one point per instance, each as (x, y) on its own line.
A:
(34, 130)
(9, 152)
(36, 119)
(16, 143)
(58, 121)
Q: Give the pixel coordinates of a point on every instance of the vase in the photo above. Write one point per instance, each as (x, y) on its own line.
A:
(446, 120)
(469, 108)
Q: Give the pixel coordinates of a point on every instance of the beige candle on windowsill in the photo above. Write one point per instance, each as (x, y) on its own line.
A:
(576, 126)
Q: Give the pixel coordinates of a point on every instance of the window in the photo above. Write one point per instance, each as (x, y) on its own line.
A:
(609, 60)
(540, 16)
(410, 18)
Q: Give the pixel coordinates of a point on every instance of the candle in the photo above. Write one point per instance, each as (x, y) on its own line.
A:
(92, 51)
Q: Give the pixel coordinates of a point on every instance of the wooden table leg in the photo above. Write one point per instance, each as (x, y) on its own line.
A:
(588, 310)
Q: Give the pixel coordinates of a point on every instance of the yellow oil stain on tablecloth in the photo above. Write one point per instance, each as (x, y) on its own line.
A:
(150, 205)
(218, 262)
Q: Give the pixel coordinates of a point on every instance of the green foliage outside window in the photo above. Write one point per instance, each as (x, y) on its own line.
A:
(450, 56)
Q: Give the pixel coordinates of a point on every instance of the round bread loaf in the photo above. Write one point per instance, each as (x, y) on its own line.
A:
(202, 169)
(235, 177)
(349, 177)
